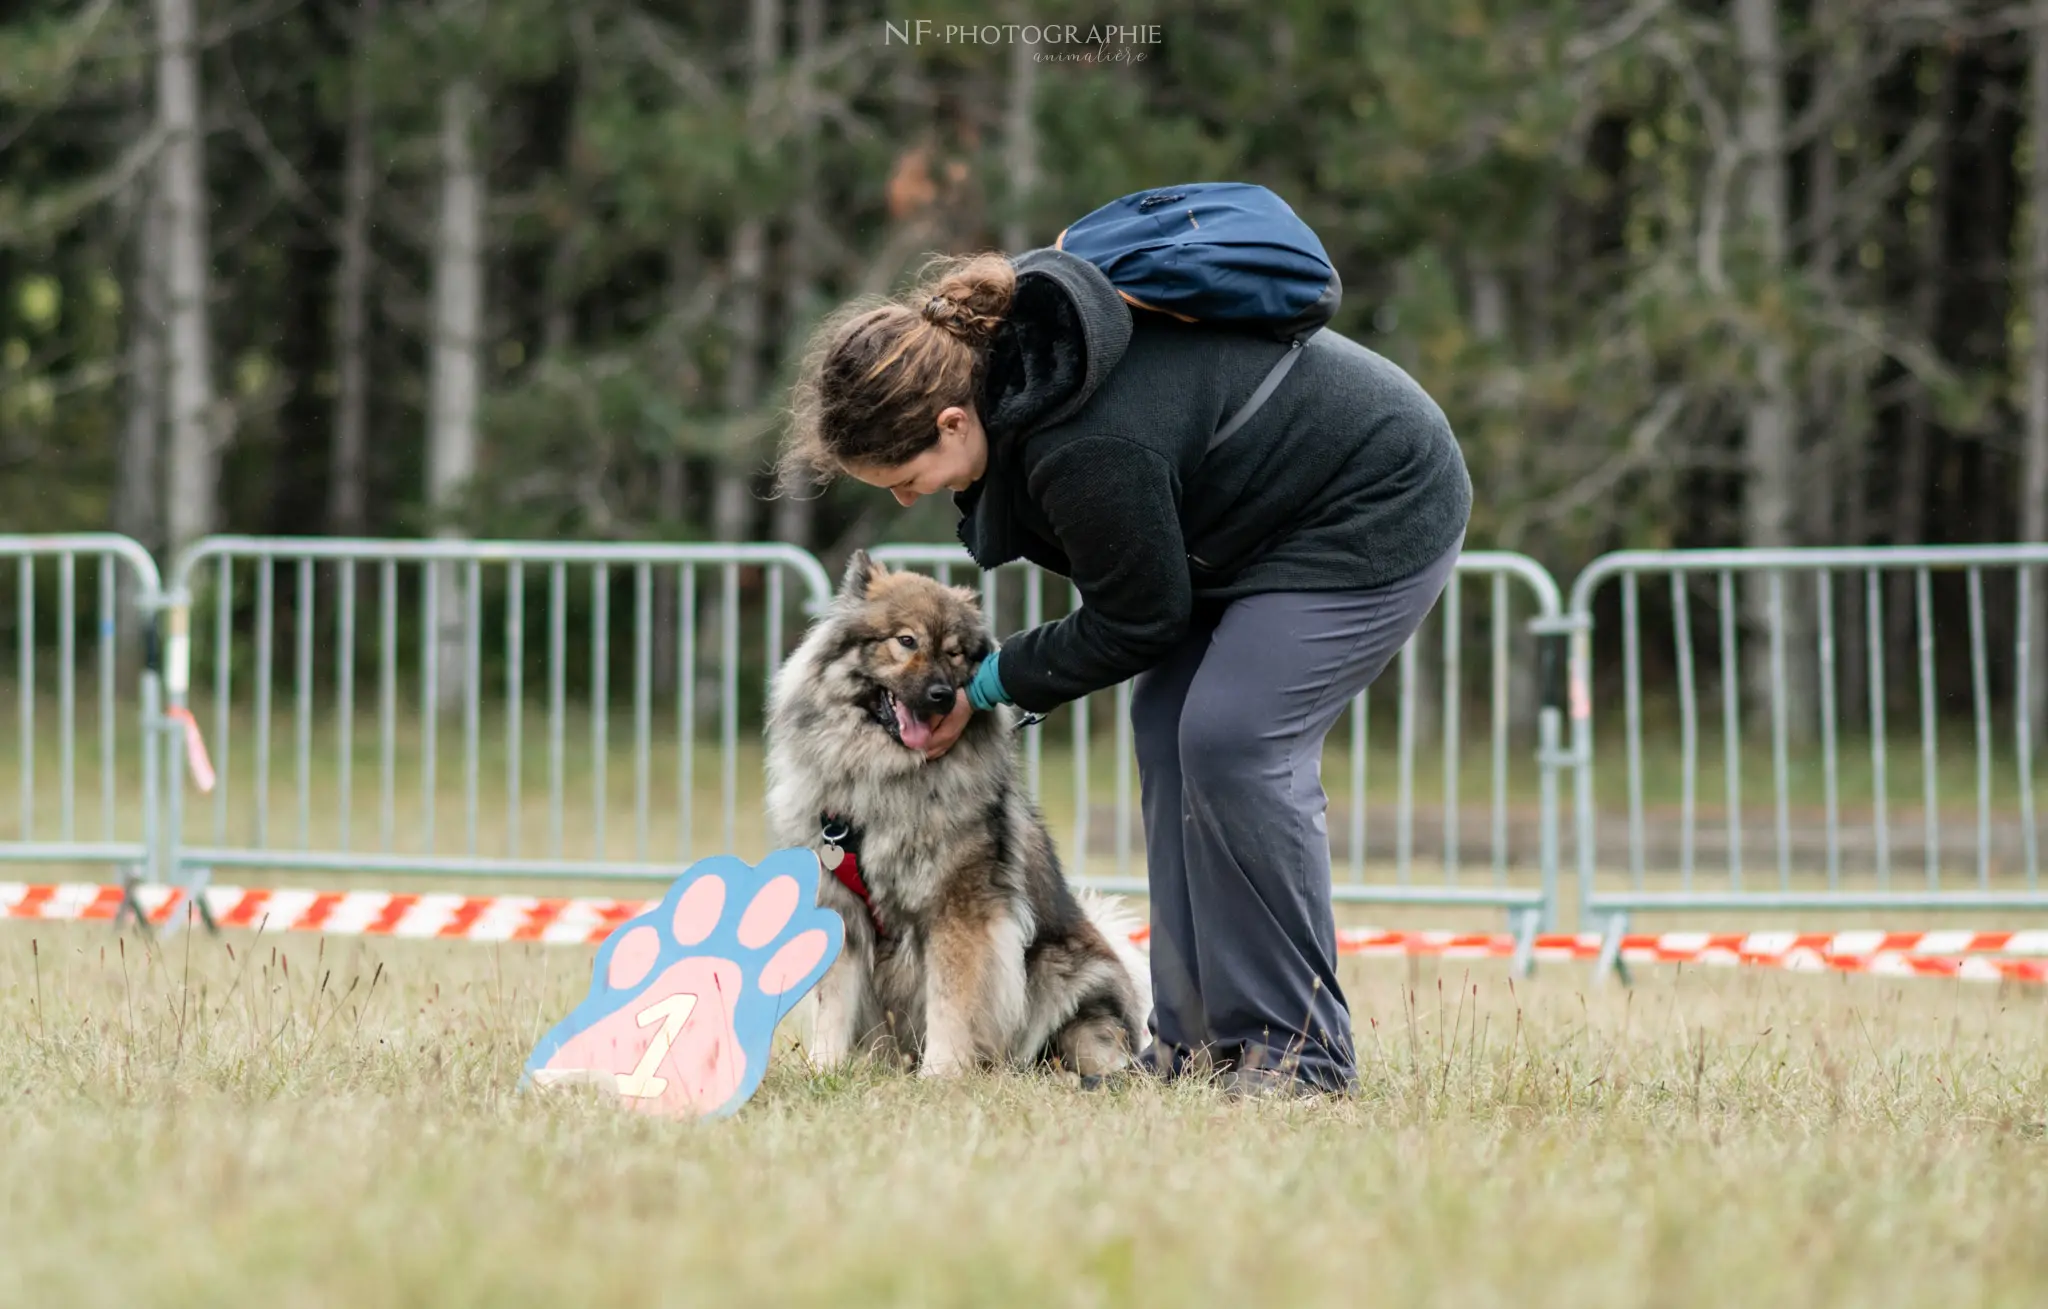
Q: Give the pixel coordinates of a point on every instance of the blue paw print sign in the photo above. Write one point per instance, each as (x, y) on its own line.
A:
(684, 998)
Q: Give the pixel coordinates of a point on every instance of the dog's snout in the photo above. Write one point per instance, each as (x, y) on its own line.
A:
(940, 695)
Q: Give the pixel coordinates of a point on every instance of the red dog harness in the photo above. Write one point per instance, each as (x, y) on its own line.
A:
(842, 859)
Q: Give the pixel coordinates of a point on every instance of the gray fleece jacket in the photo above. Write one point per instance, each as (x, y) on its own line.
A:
(1098, 421)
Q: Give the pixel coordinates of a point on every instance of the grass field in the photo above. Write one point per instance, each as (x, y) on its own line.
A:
(293, 1122)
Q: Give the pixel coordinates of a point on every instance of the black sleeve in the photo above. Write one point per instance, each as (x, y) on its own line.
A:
(1115, 508)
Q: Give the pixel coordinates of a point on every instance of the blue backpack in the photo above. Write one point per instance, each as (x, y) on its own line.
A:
(1215, 252)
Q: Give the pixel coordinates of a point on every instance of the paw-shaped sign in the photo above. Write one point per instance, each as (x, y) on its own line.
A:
(684, 998)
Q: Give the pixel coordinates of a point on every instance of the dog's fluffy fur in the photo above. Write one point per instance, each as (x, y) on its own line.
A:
(988, 957)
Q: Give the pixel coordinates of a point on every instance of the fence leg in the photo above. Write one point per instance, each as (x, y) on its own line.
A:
(202, 878)
(132, 876)
(193, 881)
(1527, 922)
(1610, 960)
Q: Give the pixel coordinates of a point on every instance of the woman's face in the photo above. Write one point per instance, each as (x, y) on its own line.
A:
(955, 463)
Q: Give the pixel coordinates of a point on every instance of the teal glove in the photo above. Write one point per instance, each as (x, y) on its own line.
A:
(986, 691)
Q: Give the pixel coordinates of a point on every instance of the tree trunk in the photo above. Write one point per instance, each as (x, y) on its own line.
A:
(1911, 484)
(1020, 144)
(795, 517)
(1827, 436)
(732, 497)
(1489, 316)
(346, 488)
(671, 493)
(138, 470)
(1836, 414)
(2034, 463)
(1489, 303)
(1771, 425)
(732, 494)
(458, 313)
(672, 464)
(558, 315)
(1428, 641)
(193, 492)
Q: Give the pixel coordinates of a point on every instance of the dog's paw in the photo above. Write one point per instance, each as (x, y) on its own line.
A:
(684, 999)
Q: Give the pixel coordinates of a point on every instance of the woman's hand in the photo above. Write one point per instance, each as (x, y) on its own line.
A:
(948, 731)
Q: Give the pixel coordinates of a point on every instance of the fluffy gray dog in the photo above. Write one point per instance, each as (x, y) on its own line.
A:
(964, 945)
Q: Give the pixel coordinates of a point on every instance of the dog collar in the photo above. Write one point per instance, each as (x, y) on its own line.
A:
(841, 858)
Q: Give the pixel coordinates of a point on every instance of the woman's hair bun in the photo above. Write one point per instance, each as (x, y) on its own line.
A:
(972, 298)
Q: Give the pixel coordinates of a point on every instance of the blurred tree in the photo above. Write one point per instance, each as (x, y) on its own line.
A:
(2034, 477)
(196, 422)
(348, 492)
(1679, 274)
(457, 339)
(138, 471)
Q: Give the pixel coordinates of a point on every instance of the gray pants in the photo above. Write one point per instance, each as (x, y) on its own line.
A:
(1229, 730)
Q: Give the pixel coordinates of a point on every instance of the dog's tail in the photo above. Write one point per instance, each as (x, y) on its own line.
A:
(1113, 918)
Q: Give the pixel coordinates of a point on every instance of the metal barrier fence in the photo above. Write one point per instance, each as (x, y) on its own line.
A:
(1524, 886)
(1806, 658)
(119, 831)
(457, 623)
(356, 669)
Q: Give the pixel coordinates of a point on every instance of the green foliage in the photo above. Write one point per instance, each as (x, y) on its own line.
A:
(1539, 208)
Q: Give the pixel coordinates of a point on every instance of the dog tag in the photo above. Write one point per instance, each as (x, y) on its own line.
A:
(835, 831)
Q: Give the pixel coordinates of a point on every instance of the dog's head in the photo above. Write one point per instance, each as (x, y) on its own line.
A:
(903, 649)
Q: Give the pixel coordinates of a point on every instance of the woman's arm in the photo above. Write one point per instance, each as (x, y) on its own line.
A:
(1115, 507)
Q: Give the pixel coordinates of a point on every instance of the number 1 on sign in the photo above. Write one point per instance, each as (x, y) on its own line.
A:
(671, 1013)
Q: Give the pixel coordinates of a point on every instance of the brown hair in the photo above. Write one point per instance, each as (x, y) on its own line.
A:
(878, 373)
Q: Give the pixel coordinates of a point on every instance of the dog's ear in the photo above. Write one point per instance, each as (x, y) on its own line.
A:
(861, 573)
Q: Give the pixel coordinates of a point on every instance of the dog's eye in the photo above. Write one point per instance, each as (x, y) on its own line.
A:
(908, 642)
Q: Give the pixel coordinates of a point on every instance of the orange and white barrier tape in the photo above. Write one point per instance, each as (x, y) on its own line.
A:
(1969, 956)
(1695, 947)
(554, 920)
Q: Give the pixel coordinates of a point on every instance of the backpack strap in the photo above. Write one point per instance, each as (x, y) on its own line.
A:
(1271, 384)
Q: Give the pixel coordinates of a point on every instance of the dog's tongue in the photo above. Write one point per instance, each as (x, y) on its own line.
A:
(916, 733)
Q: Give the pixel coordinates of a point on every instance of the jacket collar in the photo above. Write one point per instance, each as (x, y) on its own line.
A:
(1066, 331)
